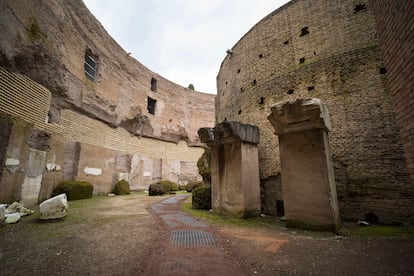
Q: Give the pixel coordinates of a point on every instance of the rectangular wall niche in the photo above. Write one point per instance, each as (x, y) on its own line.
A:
(153, 85)
(151, 105)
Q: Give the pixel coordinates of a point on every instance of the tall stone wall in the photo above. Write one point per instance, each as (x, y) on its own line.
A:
(328, 50)
(99, 129)
(395, 23)
(47, 41)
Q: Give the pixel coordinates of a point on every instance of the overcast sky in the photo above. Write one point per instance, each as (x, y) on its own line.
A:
(184, 41)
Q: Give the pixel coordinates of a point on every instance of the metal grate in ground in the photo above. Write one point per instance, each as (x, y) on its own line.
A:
(192, 238)
(178, 266)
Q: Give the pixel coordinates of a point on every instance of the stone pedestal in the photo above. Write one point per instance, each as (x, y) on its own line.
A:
(308, 183)
(235, 180)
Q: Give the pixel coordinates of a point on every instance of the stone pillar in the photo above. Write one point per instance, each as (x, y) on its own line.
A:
(235, 180)
(308, 183)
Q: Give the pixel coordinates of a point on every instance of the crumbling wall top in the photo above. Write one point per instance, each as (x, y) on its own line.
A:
(229, 131)
(299, 115)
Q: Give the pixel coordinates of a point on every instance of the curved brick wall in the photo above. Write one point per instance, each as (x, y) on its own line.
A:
(98, 131)
(327, 50)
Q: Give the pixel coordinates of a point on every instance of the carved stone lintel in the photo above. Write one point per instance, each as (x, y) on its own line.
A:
(299, 115)
(230, 131)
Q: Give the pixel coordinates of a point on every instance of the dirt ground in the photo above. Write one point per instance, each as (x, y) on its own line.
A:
(119, 235)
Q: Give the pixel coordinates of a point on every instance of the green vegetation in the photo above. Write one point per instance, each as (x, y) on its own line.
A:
(203, 164)
(74, 190)
(202, 198)
(34, 33)
(155, 189)
(122, 188)
(192, 185)
(379, 231)
(191, 86)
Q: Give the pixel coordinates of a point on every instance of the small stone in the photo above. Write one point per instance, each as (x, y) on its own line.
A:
(111, 194)
(12, 218)
(363, 223)
(262, 215)
(54, 208)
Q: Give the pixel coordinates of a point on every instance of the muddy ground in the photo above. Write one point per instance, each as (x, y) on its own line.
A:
(117, 235)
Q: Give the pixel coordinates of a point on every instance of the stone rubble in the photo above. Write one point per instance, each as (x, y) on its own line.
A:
(54, 208)
(12, 213)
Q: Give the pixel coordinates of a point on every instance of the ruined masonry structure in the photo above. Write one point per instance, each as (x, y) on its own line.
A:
(75, 106)
(330, 50)
(234, 168)
(308, 183)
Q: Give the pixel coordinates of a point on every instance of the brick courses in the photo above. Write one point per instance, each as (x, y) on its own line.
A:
(327, 50)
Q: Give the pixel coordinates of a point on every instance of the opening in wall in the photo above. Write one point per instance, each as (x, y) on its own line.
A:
(90, 66)
(151, 103)
(304, 31)
(360, 8)
(153, 85)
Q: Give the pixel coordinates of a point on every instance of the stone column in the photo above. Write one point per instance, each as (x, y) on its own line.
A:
(235, 180)
(308, 183)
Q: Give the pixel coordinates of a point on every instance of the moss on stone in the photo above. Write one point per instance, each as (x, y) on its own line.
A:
(34, 32)
(122, 188)
(74, 190)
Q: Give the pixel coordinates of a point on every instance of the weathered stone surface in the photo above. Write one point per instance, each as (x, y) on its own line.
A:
(234, 168)
(299, 115)
(2, 214)
(17, 207)
(12, 218)
(54, 208)
(308, 183)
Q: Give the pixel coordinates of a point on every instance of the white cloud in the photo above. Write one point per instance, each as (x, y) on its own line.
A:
(182, 40)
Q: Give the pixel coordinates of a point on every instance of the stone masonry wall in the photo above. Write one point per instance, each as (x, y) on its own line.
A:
(326, 50)
(395, 24)
(48, 40)
(100, 129)
(76, 143)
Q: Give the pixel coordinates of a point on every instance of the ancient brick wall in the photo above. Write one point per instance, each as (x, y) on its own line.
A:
(395, 23)
(126, 122)
(327, 50)
(48, 41)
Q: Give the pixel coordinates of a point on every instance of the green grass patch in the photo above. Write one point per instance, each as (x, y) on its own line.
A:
(380, 231)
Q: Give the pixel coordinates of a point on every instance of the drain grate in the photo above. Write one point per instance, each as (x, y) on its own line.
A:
(178, 266)
(192, 238)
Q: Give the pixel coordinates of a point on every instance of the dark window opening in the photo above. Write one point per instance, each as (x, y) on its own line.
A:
(153, 85)
(383, 70)
(286, 42)
(90, 66)
(241, 89)
(359, 8)
(290, 91)
(151, 105)
(254, 82)
(240, 111)
(302, 60)
(314, 53)
(262, 100)
(226, 82)
(310, 88)
(304, 31)
(238, 71)
(261, 55)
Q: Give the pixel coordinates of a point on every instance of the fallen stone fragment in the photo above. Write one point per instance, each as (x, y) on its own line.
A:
(12, 218)
(17, 207)
(363, 223)
(54, 208)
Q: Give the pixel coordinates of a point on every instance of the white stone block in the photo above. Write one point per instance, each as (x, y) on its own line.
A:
(92, 171)
(54, 208)
(12, 162)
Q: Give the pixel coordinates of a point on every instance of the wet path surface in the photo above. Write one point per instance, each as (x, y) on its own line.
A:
(189, 246)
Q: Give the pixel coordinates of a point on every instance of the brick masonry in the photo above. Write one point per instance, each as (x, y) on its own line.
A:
(91, 125)
(395, 26)
(327, 50)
